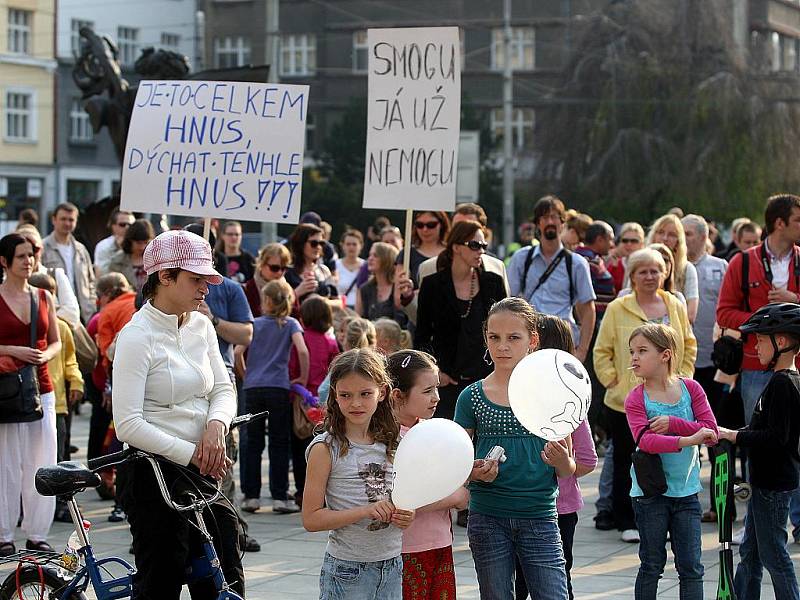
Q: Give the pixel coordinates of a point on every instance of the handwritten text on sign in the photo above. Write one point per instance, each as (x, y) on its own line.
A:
(216, 149)
(413, 118)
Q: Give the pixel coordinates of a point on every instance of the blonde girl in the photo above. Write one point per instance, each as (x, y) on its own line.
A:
(349, 480)
(359, 333)
(670, 416)
(428, 571)
(669, 230)
(391, 337)
(266, 387)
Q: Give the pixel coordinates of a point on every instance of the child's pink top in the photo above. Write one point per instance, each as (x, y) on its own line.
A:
(654, 443)
(570, 499)
(322, 349)
(428, 530)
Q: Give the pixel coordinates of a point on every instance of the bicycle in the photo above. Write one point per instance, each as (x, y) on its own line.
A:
(67, 575)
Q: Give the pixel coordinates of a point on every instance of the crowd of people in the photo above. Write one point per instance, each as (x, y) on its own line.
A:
(167, 337)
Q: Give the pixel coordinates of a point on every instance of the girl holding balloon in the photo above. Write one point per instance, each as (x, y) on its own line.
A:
(348, 481)
(428, 570)
(513, 505)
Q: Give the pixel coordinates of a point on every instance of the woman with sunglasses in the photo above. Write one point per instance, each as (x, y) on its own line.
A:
(427, 239)
(272, 262)
(453, 304)
(308, 274)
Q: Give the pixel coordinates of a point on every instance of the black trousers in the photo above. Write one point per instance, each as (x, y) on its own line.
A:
(163, 540)
(624, 446)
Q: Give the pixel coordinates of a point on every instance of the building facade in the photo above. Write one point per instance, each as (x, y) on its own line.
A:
(27, 65)
(86, 164)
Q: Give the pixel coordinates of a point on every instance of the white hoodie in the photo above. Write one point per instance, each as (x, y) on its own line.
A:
(169, 382)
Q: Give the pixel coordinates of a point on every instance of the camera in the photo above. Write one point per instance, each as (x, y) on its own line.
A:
(497, 453)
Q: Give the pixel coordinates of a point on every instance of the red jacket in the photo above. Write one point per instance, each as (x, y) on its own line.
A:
(731, 311)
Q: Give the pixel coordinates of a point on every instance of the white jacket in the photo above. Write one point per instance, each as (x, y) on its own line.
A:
(168, 383)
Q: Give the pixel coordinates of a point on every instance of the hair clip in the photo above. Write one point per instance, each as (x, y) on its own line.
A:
(406, 361)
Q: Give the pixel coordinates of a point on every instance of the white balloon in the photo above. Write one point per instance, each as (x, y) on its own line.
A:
(433, 459)
(550, 392)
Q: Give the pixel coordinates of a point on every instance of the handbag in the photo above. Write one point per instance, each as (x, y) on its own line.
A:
(20, 401)
(728, 354)
(649, 470)
(85, 348)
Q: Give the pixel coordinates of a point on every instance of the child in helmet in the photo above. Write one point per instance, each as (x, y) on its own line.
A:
(771, 440)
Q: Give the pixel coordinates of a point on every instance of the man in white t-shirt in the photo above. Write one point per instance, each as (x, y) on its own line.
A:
(118, 223)
(61, 249)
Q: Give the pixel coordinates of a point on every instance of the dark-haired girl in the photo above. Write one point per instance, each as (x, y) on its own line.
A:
(308, 274)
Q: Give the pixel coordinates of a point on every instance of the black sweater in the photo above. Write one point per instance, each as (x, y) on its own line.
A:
(773, 434)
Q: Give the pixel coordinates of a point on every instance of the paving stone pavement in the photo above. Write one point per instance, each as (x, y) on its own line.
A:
(288, 565)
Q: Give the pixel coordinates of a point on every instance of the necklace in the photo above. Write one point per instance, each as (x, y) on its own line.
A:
(472, 280)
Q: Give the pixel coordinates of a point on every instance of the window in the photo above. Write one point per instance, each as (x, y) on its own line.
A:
(20, 119)
(80, 129)
(523, 49)
(82, 192)
(128, 42)
(19, 31)
(360, 51)
(75, 33)
(522, 122)
(231, 52)
(170, 41)
(298, 55)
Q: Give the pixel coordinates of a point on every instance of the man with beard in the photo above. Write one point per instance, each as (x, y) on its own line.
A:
(554, 280)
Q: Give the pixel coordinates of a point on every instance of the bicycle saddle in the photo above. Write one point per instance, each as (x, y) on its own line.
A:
(65, 478)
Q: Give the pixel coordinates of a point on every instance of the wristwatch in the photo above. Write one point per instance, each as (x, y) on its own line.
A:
(215, 321)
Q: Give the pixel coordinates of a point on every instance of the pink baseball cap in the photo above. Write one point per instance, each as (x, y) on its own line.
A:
(180, 249)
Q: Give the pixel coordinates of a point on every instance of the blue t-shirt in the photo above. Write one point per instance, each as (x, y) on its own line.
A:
(228, 302)
(268, 355)
(525, 487)
(682, 469)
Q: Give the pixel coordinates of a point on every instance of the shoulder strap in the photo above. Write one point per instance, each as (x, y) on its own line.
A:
(746, 280)
(352, 285)
(525, 269)
(549, 271)
(568, 259)
(34, 316)
(641, 433)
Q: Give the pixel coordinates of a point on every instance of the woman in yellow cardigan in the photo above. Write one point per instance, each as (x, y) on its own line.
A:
(647, 304)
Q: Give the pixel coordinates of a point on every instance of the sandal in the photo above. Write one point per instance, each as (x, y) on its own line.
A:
(7, 549)
(39, 546)
(710, 516)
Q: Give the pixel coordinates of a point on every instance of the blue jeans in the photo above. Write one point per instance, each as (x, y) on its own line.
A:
(495, 541)
(764, 545)
(680, 517)
(605, 486)
(349, 580)
(751, 386)
(794, 514)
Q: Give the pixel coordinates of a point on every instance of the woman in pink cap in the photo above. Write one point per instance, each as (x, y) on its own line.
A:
(172, 396)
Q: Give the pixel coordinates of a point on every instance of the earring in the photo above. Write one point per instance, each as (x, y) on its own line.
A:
(486, 358)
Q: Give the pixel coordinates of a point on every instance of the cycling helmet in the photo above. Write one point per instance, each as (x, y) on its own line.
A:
(777, 317)
(774, 319)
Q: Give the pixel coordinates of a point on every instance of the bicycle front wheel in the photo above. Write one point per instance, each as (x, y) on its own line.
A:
(30, 583)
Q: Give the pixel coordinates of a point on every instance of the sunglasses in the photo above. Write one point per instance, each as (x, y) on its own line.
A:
(631, 241)
(276, 268)
(426, 224)
(315, 243)
(475, 246)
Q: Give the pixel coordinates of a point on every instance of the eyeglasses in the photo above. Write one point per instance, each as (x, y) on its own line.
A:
(316, 243)
(475, 246)
(123, 224)
(276, 268)
(631, 241)
(426, 224)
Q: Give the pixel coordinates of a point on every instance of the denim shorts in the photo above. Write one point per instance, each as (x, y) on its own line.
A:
(351, 580)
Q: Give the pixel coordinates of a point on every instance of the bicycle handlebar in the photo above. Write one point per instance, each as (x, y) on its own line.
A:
(101, 462)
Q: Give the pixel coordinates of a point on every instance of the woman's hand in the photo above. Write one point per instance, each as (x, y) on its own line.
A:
(307, 286)
(659, 425)
(209, 454)
(402, 519)
(702, 436)
(484, 470)
(32, 356)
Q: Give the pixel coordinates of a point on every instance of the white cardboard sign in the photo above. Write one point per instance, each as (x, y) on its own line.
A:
(232, 150)
(413, 118)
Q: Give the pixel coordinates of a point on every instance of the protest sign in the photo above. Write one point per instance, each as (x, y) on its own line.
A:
(413, 118)
(224, 149)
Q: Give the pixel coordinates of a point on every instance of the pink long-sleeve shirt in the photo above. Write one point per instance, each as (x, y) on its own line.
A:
(655, 443)
(570, 499)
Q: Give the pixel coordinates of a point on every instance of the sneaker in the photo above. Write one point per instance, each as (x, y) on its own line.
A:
(630, 536)
(285, 507)
(250, 505)
(604, 521)
(736, 538)
(117, 515)
(249, 544)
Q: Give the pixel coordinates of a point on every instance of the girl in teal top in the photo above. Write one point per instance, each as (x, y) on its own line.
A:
(513, 504)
